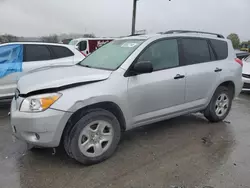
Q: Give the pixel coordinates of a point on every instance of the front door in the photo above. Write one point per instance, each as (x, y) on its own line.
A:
(151, 95)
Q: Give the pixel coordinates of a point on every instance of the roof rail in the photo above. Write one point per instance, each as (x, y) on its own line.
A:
(136, 34)
(187, 31)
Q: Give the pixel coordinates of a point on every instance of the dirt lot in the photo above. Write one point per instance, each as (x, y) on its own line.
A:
(182, 152)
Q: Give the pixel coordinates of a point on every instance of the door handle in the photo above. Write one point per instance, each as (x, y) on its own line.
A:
(217, 69)
(178, 76)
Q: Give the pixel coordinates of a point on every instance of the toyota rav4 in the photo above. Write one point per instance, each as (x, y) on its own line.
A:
(127, 83)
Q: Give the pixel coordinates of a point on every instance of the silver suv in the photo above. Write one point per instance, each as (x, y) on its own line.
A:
(127, 83)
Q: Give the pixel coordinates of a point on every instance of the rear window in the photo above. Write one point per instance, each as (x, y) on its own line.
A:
(36, 53)
(195, 51)
(61, 52)
(220, 48)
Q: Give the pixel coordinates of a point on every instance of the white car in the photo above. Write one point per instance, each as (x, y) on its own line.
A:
(246, 74)
(33, 56)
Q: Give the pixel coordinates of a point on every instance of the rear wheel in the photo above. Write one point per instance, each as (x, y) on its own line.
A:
(94, 137)
(219, 105)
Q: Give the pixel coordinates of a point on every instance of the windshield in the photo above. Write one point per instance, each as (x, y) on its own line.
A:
(112, 55)
(73, 42)
(244, 46)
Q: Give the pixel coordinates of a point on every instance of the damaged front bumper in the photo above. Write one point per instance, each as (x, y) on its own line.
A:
(38, 128)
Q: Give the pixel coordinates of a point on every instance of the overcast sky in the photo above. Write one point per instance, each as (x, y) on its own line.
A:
(113, 17)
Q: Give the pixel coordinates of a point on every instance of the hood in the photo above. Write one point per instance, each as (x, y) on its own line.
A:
(48, 67)
(246, 67)
(56, 77)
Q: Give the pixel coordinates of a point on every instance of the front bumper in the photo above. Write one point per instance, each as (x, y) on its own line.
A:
(41, 129)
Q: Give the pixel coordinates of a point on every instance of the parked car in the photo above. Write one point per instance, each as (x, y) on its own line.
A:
(246, 74)
(245, 46)
(87, 45)
(127, 83)
(32, 56)
(241, 54)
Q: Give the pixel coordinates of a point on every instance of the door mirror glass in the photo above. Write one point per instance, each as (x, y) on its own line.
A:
(143, 67)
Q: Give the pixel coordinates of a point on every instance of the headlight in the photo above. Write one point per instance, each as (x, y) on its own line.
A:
(39, 103)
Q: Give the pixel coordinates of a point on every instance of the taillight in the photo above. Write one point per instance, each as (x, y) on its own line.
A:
(239, 61)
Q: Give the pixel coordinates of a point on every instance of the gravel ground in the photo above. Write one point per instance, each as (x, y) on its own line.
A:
(182, 152)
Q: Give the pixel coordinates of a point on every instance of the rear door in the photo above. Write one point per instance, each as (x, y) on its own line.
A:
(202, 71)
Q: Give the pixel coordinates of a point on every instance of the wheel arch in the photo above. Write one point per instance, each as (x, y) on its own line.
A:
(106, 105)
(230, 85)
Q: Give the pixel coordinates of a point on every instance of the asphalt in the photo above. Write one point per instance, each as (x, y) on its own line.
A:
(183, 152)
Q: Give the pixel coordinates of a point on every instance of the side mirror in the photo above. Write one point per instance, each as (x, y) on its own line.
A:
(143, 67)
(78, 47)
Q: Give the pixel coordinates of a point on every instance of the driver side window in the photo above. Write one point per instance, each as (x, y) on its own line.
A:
(82, 45)
(162, 54)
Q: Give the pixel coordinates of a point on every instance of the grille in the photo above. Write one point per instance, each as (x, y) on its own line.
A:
(246, 85)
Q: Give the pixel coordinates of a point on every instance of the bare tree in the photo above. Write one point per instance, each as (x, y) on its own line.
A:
(89, 35)
(50, 38)
(8, 38)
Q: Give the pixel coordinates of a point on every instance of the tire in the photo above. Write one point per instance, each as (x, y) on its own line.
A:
(92, 131)
(210, 112)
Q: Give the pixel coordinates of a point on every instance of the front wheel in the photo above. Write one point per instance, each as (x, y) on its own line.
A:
(220, 105)
(94, 137)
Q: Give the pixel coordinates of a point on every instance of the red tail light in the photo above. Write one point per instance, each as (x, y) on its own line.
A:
(239, 61)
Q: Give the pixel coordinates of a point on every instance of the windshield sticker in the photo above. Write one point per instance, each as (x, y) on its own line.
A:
(129, 44)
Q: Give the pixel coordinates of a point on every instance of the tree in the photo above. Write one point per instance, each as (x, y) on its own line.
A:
(235, 40)
(89, 35)
(50, 39)
(8, 38)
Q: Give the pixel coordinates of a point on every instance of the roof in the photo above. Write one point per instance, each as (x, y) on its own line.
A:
(157, 36)
(142, 37)
(104, 38)
(41, 43)
(189, 31)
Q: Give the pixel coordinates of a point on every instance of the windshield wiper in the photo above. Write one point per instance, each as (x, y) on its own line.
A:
(85, 66)
(91, 67)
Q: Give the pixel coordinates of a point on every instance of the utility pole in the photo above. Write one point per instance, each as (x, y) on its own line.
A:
(134, 17)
